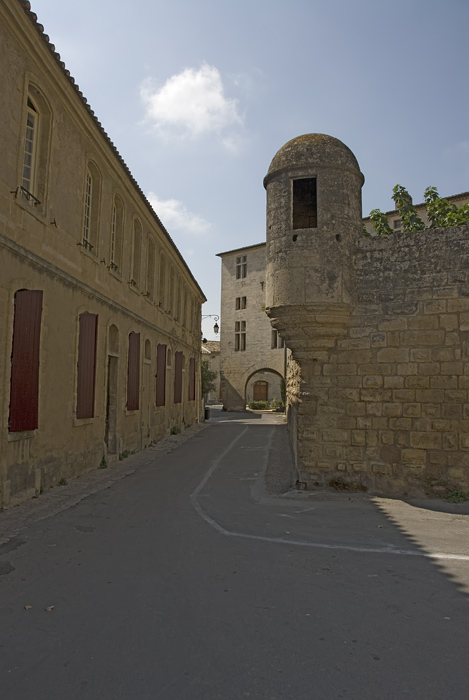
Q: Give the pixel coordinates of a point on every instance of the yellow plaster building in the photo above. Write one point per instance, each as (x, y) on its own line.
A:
(100, 315)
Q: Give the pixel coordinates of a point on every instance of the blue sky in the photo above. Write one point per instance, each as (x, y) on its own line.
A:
(198, 95)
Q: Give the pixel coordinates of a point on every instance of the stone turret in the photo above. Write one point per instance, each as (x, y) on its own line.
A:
(313, 221)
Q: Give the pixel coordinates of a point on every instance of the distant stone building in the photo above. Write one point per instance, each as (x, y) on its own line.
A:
(394, 219)
(378, 382)
(252, 354)
(100, 333)
(211, 354)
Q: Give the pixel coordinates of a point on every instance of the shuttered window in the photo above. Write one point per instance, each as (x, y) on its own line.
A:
(133, 373)
(191, 393)
(24, 383)
(86, 369)
(178, 360)
(160, 375)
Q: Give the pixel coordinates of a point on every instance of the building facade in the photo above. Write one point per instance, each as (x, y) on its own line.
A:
(252, 354)
(100, 332)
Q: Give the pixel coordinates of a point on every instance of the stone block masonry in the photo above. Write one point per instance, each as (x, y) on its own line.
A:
(392, 397)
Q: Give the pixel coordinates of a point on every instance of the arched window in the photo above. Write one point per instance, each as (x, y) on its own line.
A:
(147, 354)
(178, 300)
(162, 290)
(184, 306)
(30, 146)
(35, 149)
(171, 299)
(117, 231)
(137, 246)
(151, 268)
(91, 202)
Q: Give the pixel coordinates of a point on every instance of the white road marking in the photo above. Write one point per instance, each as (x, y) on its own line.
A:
(387, 549)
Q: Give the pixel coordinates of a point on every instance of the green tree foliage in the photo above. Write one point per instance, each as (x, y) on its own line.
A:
(208, 377)
(411, 221)
(380, 222)
(441, 213)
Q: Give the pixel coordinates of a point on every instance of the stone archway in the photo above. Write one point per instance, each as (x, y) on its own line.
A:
(263, 385)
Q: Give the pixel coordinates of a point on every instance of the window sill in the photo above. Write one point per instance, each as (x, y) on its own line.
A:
(82, 421)
(88, 253)
(38, 213)
(22, 435)
(132, 412)
(115, 273)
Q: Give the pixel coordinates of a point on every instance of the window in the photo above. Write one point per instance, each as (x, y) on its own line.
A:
(397, 223)
(86, 367)
(30, 147)
(24, 382)
(151, 269)
(183, 298)
(240, 335)
(178, 300)
(162, 290)
(117, 230)
(241, 267)
(160, 375)
(168, 358)
(147, 350)
(305, 213)
(34, 151)
(133, 373)
(191, 388)
(91, 198)
(137, 261)
(178, 361)
(189, 313)
(240, 303)
(171, 299)
(276, 341)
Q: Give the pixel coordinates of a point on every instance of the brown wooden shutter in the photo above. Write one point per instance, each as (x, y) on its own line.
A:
(24, 383)
(86, 369)
(160, 375)
(191, 392)
(178, 377)
(133, 373)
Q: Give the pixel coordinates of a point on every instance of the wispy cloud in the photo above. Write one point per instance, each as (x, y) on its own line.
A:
(174, 214)
(192, 104)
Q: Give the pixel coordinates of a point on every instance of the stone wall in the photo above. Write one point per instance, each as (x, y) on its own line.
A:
(387, 408)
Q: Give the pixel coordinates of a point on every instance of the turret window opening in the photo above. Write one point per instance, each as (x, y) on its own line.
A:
(304, 210)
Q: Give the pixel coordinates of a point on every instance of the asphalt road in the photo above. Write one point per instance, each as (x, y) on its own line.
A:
(187, 577)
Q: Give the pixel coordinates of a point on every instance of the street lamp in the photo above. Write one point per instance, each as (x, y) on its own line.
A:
(216, 327)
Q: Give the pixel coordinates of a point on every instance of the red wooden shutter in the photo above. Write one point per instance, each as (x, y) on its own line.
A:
(24, 383)
(86, 369)
(160, 374)
(192, 379)
(133, 373)
(178, 377)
